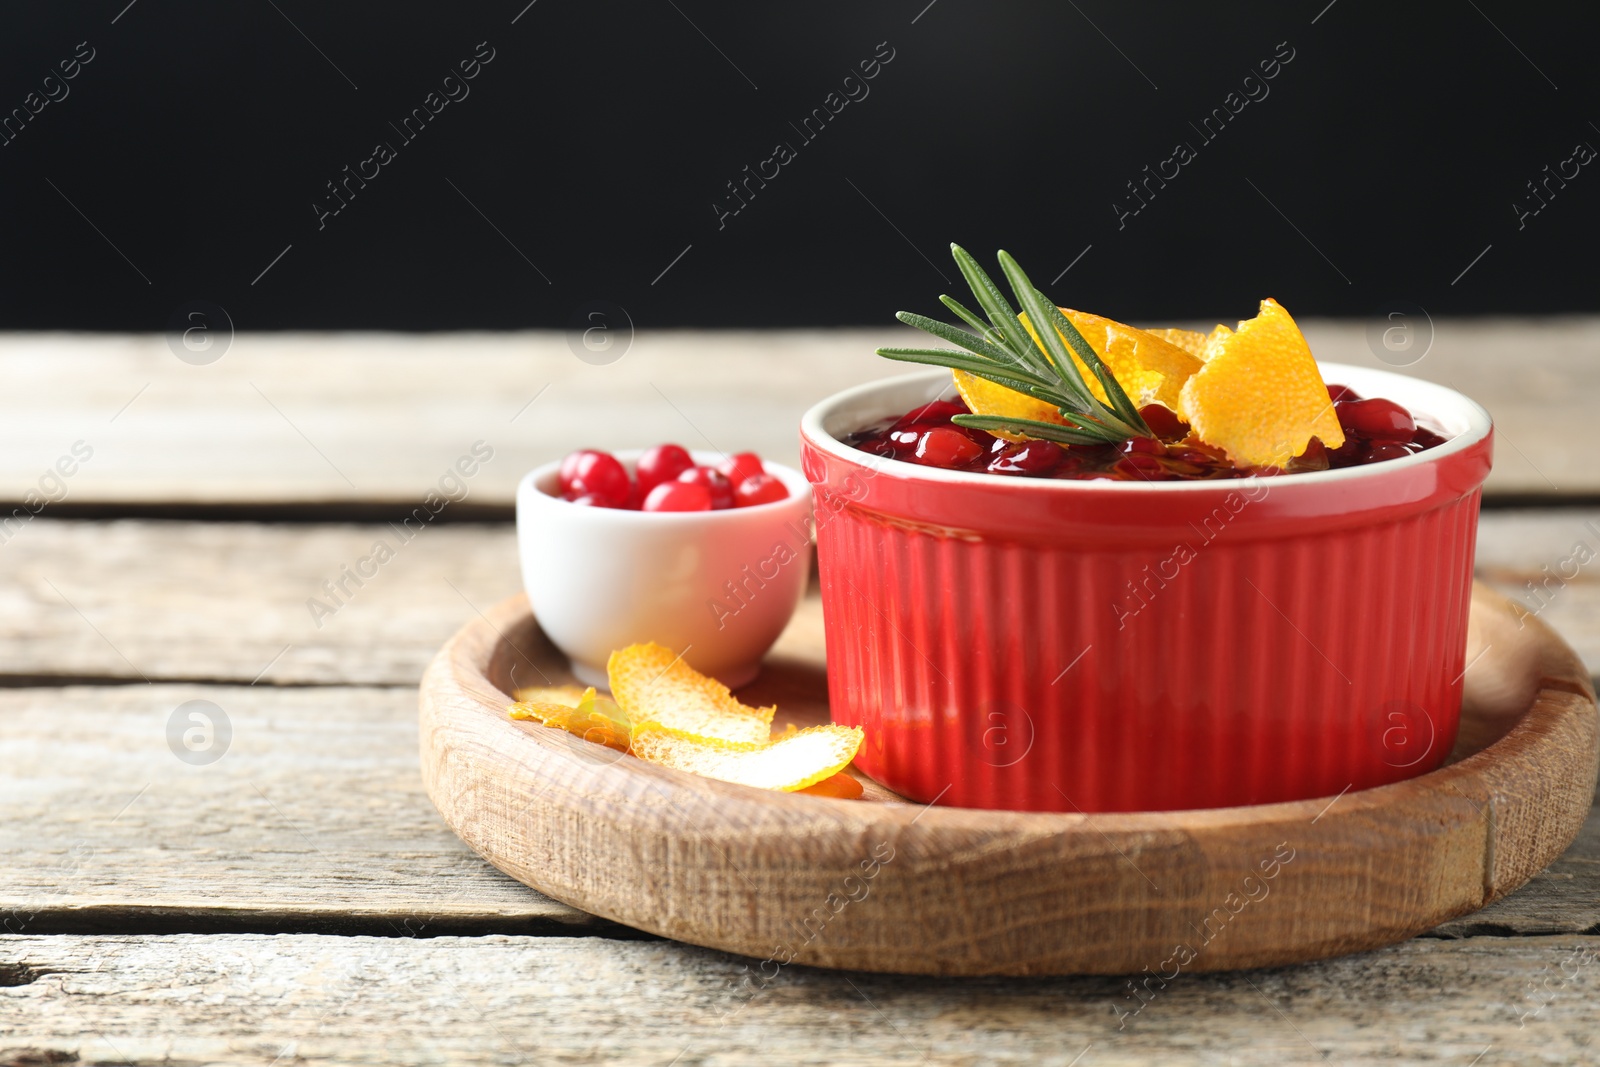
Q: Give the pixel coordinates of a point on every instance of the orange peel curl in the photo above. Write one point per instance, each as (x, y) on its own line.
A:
(796, 762)
(1260, 397)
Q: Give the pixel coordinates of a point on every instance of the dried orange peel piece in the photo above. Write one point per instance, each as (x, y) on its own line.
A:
(1260, 397)
(668, 713)
(841, 787)
(593, 718)
(801, 760)
(1191, 341)
(1213, 342)
(1150, 368)
(550, 694)
(990, 398)
(654, 685)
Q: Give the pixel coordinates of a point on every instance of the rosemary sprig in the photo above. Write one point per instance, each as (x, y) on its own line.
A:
(1002, 351)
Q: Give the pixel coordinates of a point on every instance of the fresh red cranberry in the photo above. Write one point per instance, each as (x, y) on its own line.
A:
(1376, 419)
(1379, 453)
(715, 483)
(937, 412)
(678, 496)
(1029, 457)
(738, 467)
(660, 464)
(1164, 423)
(599, 474)
(947, 447)
(589, 500)
(569, 467)
(759, 489)
(1336, 393)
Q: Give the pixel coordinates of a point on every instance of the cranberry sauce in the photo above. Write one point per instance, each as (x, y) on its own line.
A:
(1374, 430)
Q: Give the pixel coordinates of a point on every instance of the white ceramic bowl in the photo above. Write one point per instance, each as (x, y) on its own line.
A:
(718, 586)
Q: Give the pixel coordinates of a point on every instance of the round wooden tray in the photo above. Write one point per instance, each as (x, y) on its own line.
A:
(879, 884)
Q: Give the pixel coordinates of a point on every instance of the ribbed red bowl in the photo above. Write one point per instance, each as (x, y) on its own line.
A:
(1055, 645)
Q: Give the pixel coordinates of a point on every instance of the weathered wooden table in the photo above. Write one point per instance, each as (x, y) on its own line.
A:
(276, 888)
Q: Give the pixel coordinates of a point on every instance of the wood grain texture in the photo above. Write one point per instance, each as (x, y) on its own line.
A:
(313, 819)
(297, 418)
(316, 820)
(218, 601)
(228, 601)
(497, 1000)
(1549, 561)
(990, 892)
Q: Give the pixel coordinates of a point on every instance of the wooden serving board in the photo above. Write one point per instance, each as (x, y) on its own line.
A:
(879, 884)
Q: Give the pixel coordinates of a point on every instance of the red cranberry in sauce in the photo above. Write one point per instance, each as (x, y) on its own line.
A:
(1029, 457)
(947, 447)
(1139, 465)
(1376, 419)
(927, 436)
(1425, 438)
(935, 412)
(1379, 453)
(1149, 446)
(1163, 423)
(1314, 458)
(905, 440)
(1348, 454)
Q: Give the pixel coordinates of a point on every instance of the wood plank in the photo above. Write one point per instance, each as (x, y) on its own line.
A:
(313, 818)
(190, 600)
(302, 418)
(162, 600)
(229, 602)
(1562, 898)
(1000, 892)
(146, 600)
(1549, 560)
(308, 999)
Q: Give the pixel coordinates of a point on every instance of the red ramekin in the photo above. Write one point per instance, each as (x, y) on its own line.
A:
(1056, 645)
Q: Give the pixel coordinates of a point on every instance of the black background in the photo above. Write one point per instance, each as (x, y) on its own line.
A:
(1391, 149)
